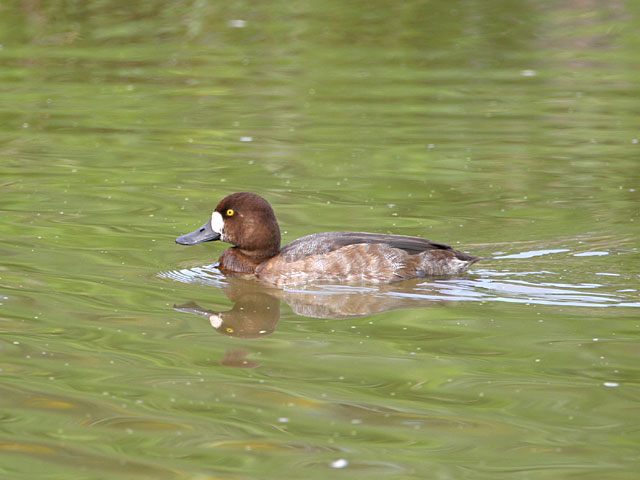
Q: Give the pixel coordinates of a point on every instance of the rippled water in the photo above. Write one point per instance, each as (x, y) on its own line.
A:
(541, 287)
(507, 130)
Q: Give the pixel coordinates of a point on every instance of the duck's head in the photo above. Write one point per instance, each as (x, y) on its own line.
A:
(245, 220)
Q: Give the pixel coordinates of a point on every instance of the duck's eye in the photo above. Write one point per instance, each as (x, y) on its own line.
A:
(230, 213)
(229, 329)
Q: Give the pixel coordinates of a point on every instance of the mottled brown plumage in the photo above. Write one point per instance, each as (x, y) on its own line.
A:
(248, 222)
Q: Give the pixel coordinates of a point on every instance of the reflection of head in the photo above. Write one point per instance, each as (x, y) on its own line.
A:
(253, 315)
(255, 312)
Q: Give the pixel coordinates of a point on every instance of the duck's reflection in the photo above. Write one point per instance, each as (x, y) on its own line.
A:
(256, 308)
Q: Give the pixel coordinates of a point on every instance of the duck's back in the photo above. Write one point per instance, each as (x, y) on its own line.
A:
(361, 257)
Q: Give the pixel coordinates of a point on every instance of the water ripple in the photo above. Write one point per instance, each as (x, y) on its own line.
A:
(519, 291)
(484, 285)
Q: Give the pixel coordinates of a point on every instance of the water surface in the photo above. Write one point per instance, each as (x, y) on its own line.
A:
(508, 130)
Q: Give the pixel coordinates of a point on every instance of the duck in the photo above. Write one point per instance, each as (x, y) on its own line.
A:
(248, 222)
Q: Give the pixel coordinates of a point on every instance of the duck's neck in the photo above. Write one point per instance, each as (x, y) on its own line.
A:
(237, 260)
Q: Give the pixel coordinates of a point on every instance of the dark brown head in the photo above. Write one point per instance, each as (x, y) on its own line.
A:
(243, 219)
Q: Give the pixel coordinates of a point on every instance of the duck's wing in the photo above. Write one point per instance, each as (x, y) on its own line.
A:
(321, 243)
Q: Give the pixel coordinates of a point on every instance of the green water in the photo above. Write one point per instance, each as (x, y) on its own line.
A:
(508, 129)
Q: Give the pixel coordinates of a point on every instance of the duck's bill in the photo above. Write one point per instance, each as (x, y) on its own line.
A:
(204, 234)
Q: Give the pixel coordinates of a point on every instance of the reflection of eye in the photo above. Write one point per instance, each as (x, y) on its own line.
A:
(229, 329)
(230, 213)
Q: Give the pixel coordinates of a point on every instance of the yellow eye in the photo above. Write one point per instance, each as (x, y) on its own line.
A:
(229, 329)
(230, 213)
